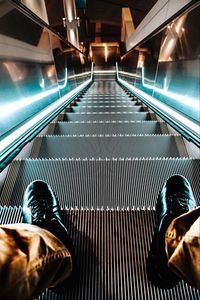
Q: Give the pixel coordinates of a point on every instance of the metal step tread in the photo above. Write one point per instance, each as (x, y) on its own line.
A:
(104, 97)
(105, 112)
(111, 248)
(107, 128)
(107, 109)
(108, 102)
(136, 116)
(107, 146)
(97, 183)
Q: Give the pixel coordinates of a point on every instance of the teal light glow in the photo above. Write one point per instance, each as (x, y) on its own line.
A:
(8, 109)
(42, 83)
(194, 103)
(22, 133)
(63, 86)
(19, 134)
(183, 122)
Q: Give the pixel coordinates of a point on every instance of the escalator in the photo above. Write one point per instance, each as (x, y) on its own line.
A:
(106, 157)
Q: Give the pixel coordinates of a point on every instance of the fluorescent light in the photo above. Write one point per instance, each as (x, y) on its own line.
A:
(62, 86)
(164, 108)
(104, 71)
(20, 132)
(79, 75)
(8, 109)
(194, 103)
(134, 75)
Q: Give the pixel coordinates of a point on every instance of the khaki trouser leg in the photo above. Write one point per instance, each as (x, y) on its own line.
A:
(183, 247)
(31, 259)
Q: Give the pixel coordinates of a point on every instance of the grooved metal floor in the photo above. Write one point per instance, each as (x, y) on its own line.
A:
(97, 183)
(111, 251)
(148, 127)
(108, 116)
(106, 146)
(93, 159)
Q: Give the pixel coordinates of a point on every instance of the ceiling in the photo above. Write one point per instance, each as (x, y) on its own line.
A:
(105, 12)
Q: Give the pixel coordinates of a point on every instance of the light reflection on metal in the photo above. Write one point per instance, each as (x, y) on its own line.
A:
(81, 58)
(51, 72)
(173, 33)
(42, 83)
(104, 72)
(132, 75)
(106, 52)
(194, 103)
(172, 114)
(141, 59)
(63, 86)
(79, 75)
(16, 73)
(90, 53)
(9, 109)
(20, 134)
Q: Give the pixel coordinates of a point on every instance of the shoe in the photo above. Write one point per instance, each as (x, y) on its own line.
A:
(41, 208)
(175, 199)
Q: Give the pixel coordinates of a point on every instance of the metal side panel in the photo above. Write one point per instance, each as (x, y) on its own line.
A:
(136, 116)
(96, 183)
(111, 248)
(107, 146)
(145, 127)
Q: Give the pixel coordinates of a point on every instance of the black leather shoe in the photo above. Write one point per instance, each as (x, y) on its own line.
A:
(41, 208)
(175, 199)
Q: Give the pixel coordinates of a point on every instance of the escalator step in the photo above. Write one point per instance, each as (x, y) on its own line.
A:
(96, 183)
(140, 116)
(105, 97)
(111, 248)
(145, 127)
(107, 146)
(107, 108)
(105, 102)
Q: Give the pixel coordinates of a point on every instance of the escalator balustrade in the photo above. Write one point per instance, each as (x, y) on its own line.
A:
(106, 158)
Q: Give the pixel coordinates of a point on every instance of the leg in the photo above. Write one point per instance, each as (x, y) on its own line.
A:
(175, 198)
(182, 242)
(31, 259)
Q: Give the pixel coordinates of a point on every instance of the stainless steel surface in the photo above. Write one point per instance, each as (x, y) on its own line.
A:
(111, 146)
(36, 68)
(95, 183)
(145, 127)
(167, 65)
(111, 256)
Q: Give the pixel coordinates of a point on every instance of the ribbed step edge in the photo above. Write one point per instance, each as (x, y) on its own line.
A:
(111, 249)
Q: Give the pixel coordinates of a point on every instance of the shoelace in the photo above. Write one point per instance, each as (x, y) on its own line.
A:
(178, 202)
(40, 208)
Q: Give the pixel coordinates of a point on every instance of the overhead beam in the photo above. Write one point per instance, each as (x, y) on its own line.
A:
(161, 12)
(128, 27)
(38, 7)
